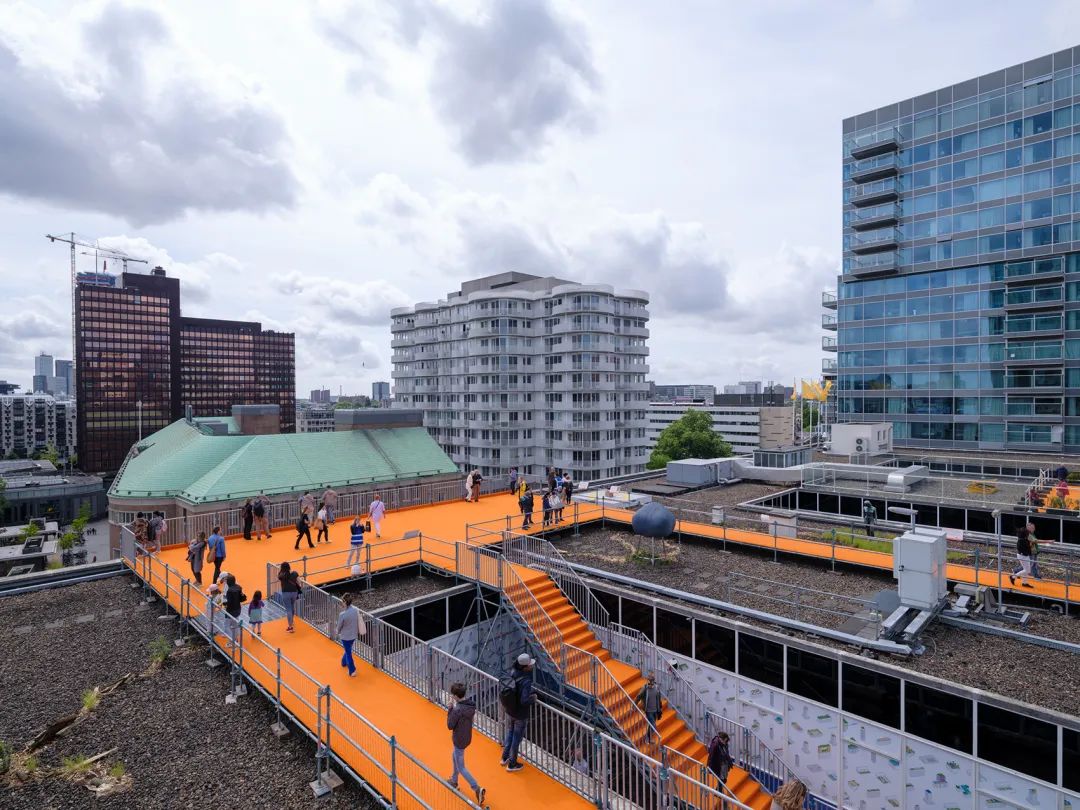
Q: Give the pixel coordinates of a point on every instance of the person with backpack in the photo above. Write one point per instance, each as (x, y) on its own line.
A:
(522, 488)
(260, 509)
(651, 701)
(555, 501)
(527, 508)
(459, 719)
(567, 488)
(720, 759)
(350, 627)
(545, 505)
(234, 600)
(477, 480)
(303, 529)
(215, 551)
(247, 513)
(196, 549)
(290, 592)
(517, 697)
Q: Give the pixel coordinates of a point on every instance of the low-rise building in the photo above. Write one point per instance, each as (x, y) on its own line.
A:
(31, 423)
(314, 418)
(745, 427)
(36, 490)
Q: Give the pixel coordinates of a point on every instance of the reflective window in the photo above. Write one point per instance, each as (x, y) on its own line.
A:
(714, 645)
(762, 660)
(1019, 742)
(673, 632)
(870, 694)
(938, 716)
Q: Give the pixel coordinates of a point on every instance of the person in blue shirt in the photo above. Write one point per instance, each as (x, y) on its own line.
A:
(216, 551)
(356, 542)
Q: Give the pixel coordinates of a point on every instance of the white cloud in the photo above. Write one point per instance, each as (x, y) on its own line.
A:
(344, 302)
(133, 123)
(504, 77)
(197, 278)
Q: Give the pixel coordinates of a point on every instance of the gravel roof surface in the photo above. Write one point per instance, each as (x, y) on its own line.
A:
(1037, 675)
(180, 743)
(729, 496)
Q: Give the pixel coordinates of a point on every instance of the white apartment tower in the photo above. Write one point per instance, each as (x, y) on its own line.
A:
(517, 370)
(30, 423)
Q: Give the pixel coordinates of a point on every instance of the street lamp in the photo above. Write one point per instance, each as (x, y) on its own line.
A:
(138, 408)
(997, 530)
(903, 510)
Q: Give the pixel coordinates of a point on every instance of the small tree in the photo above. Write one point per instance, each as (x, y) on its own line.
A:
(690, 436)
(50, 453)
(28, 531)
(811, 416)
(67, 540)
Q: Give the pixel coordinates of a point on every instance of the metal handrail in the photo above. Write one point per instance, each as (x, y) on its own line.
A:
(537, 552)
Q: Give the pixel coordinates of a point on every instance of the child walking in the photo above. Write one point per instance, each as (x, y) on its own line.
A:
(255, 611)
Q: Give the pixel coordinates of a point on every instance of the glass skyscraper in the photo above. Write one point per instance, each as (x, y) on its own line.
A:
(958, 309)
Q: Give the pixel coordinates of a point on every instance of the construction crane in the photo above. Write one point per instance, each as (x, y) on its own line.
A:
(76, 241)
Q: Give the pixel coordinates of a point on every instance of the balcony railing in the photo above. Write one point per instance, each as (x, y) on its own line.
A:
(874, 217)
(828, 343)
(874, 193)
(828, 366)
(874, 263)
(874, 143)
(828, 321)
(828, 299)
(1033, 297)
(875, 240)
(874, 168)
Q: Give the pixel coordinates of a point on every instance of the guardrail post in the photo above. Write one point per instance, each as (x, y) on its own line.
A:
(305, 566)
(577, 526)
(277, 694)
(775, 554)
(431, 672)
(832, 544)
(367, 567)
(393, 772)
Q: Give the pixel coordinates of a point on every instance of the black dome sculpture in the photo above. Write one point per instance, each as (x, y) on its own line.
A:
(653, 520)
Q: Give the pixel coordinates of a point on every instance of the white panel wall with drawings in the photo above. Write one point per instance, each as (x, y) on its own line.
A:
(875, 767)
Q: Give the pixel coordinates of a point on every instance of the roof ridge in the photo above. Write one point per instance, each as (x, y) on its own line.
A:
(215, 473)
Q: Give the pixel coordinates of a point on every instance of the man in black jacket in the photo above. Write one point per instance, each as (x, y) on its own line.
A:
(518, 713)
(459, 719)
(234, 600)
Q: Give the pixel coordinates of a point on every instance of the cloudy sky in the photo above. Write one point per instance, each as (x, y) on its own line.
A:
(312, 165)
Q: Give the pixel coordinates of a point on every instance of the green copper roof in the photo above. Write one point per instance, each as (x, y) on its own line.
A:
(183, 461)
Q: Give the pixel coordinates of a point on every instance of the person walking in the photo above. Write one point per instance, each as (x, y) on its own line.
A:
(545, 505)
(303, 529)
(869, 517)
(527, 509)
(375, 514)
(260, 509)
(522, 488)
(215, 552)
(477, 480)
(247, 512)
(322, 523)
(459, 719)
(356, 543)
(552, 479)
(196, 549)
(720, 759)
(517, 700)
(556, 506)
(307, 506)
(468, 484)
(1023, 558)
(789, 796)
(513, 480)
(255, 612)
(329, 499)
(567, 488)
(1034, 551)
(350, 627)
(140, 527)
(155, 530)
(234, 601)
(651, 701)
(290, 592)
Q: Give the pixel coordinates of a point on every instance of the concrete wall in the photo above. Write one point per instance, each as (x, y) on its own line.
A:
(257, 420)
(774, 427)
(375, 418)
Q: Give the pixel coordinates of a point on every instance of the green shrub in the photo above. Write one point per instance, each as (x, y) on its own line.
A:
(117, 771)
(75, 764)
(90, 699)
(160, 650)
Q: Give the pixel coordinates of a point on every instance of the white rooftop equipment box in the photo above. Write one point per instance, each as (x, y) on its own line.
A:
(919, 558)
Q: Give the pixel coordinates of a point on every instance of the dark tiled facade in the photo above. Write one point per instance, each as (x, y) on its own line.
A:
(958, 310)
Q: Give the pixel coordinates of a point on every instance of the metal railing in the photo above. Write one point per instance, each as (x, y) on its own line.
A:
(536, 552)
(577, 755)
(387, 770)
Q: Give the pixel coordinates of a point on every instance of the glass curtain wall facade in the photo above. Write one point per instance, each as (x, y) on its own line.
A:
(528, 372)
(139, 361)
(226, 363)
(126, 353)
(958, 309)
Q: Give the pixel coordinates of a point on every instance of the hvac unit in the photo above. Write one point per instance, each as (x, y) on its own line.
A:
(860, 445)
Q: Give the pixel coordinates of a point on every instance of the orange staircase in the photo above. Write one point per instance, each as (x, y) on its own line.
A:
(674, 733)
